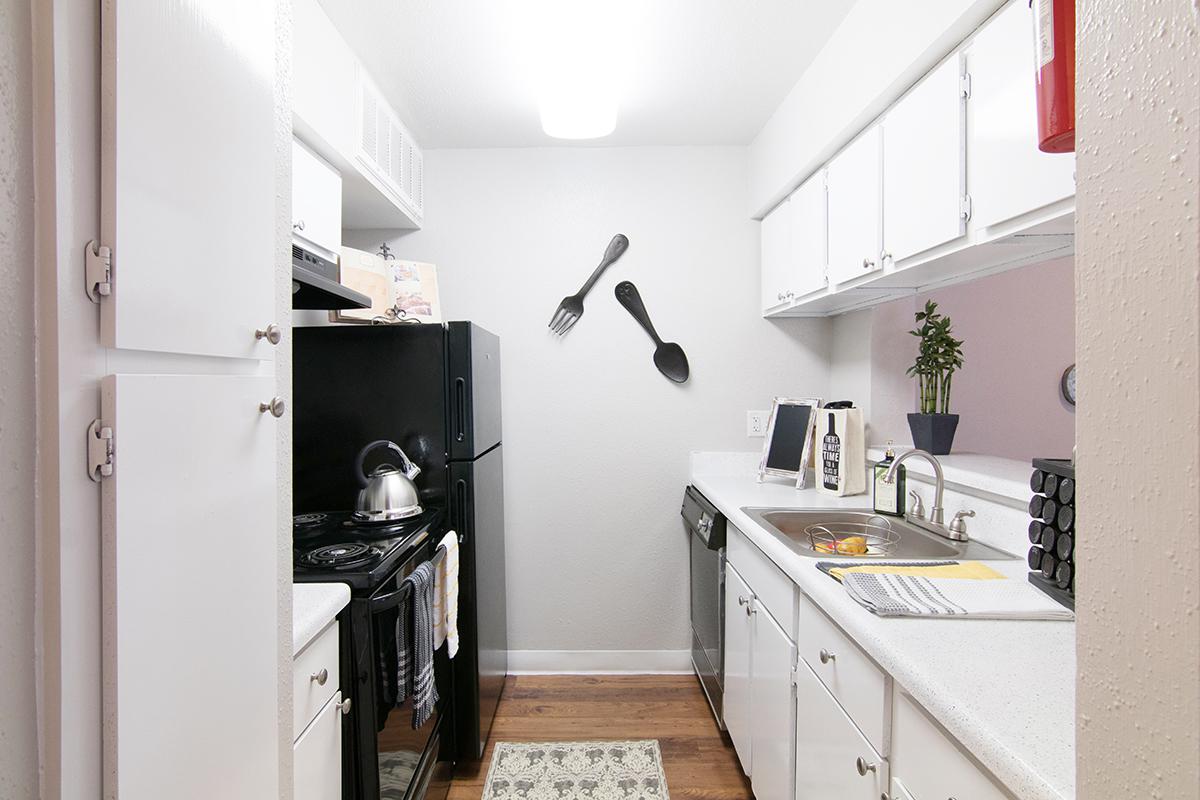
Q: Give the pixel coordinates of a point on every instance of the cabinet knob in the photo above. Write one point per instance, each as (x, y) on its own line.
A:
(827, 656)
(864, 767)
(790, 295)
(272, 333)
(298, 225)
(779, 296)
(742, 600)
(344, 706)
(885, 255)
(276, 406)
(320, 677)
(868, 263)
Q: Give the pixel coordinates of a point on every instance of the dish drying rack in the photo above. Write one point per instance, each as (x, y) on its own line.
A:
(875, 530)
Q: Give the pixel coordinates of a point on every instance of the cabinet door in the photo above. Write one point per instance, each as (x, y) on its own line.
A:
(924, 165)
(810, 250)
(738, 602)
(855, 209)
(317, 756)
(772, 708)
(191, 668)
(1009, 175)
(188, 175)
(828, 747)
(776, 232)
(316, 201)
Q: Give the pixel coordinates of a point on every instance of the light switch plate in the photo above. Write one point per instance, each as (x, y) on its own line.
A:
(756, 423)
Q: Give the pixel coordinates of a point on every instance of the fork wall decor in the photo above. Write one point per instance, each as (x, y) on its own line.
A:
(571, 308)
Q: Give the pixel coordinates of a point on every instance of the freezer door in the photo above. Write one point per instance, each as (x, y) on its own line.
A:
(473, 390)
(477, 513)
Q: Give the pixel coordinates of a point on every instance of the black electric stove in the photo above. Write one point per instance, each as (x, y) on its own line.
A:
(334, 547)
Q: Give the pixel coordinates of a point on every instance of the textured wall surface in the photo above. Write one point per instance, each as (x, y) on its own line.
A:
(596, 440)
(1138, 264)
(18, 710)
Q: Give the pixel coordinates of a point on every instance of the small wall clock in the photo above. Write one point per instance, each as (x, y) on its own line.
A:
(1067, 384)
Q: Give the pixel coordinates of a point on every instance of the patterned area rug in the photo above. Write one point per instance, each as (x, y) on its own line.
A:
(576, 771)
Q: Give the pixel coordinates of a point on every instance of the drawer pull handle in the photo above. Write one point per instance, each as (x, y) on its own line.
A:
(826, 657)
(742, 600)
(344, 706)
(864, 767)
(320, 677)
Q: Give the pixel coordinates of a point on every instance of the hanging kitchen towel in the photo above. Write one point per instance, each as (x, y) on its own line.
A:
(445, 596)
(403, 648)
(841, 442)
(424, 687)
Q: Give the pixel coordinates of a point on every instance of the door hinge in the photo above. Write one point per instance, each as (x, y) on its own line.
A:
(964, 207)
(97, 270)
(964, 85)
(99, 450)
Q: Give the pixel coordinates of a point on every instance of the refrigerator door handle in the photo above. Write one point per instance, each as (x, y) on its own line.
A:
(460, 409)
(460, 507)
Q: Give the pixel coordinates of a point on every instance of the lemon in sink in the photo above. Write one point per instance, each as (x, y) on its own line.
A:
(848, 546)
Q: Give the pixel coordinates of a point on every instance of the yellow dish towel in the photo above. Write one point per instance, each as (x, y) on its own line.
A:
(971, 570)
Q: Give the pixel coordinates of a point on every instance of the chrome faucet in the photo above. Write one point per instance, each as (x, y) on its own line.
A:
(937, 520)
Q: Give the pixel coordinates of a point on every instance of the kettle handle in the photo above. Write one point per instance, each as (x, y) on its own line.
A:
(405, 465)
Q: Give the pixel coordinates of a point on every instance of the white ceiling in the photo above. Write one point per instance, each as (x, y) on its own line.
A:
(703, 72)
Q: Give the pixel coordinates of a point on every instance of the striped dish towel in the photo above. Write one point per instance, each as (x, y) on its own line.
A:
(891, 595)
(445, 596)
(424, 687)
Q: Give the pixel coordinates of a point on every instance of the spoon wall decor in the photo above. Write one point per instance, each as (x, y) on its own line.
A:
(668, 356)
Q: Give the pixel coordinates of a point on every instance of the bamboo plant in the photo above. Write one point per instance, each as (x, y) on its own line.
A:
(939, 357)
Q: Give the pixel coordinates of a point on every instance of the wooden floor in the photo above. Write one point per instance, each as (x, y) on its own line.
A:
(697, 758)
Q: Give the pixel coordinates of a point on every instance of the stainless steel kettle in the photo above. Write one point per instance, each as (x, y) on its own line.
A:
(388, 493)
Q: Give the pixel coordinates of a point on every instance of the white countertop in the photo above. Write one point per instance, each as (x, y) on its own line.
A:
(314, 606)
(1004, 689)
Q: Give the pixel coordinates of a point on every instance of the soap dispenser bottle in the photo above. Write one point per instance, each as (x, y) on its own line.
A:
(889, 497)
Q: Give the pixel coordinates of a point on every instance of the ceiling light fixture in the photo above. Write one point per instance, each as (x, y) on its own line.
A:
(578, 54)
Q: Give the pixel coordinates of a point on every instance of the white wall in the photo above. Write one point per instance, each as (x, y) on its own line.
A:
(18, 709)
(596, 440)
(1138, 306)
(881, 48)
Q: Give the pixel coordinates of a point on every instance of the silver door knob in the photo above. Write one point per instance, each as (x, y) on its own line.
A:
(298, 225)
(864, 767)
(272, 333)
(827, 656)
(742, 600)
(344, 706)
(276, 406)
(779, 296)
(868, 263)
(320, 677)
(885, 255)
(790, 295)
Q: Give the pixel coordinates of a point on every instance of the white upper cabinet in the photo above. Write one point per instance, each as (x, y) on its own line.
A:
(794, 246)
(188, 202)
(776, 256)
(856, 209)
(316, 202)
(924, 165)
(1009, 175)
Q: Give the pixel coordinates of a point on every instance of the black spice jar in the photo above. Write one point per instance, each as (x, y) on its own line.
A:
(1053, 536)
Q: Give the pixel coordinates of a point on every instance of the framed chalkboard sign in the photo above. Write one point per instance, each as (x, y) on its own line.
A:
(789, 437)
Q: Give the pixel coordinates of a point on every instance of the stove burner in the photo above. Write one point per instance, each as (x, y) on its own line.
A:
(340, 556)
(309, 520)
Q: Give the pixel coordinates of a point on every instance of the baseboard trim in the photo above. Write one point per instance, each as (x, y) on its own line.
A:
(599, 662)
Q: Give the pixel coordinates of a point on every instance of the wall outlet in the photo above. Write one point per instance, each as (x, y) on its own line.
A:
(756, 423)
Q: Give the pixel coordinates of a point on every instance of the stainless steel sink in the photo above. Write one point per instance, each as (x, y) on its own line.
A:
(890, 538)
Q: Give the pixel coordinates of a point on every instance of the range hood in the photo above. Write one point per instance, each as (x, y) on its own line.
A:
(315, 286)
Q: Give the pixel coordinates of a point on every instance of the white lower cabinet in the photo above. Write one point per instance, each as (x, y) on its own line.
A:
(317, 755)
(738, 600)
(928, 765)
(833, 760)
(772, 708)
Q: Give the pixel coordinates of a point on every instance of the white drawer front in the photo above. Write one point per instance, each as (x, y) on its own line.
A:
(775, 591)
(317, 756)
(857, 683)
(931, 766)
(314, 678)
(830, 749)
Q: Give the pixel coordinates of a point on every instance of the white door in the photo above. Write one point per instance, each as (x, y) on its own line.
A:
(924, 165)
(829, 748)
(190, 666)
(1009, 176)
(317, 756)
(809, 237)
(772, 706)
(316, 201)
(188, 174)
(856, 208)
(737, 701)
(776, 256)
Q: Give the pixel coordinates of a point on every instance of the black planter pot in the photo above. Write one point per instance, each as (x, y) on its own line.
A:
(933, 432)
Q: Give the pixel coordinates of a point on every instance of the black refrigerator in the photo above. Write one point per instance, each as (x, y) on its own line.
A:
(435, 391)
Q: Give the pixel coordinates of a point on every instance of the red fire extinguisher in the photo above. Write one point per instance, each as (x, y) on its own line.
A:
(1054, 43)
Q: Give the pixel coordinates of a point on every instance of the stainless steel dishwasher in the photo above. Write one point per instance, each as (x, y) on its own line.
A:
(706, 541)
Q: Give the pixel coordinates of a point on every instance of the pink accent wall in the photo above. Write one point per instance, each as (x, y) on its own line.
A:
(1018, 329)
